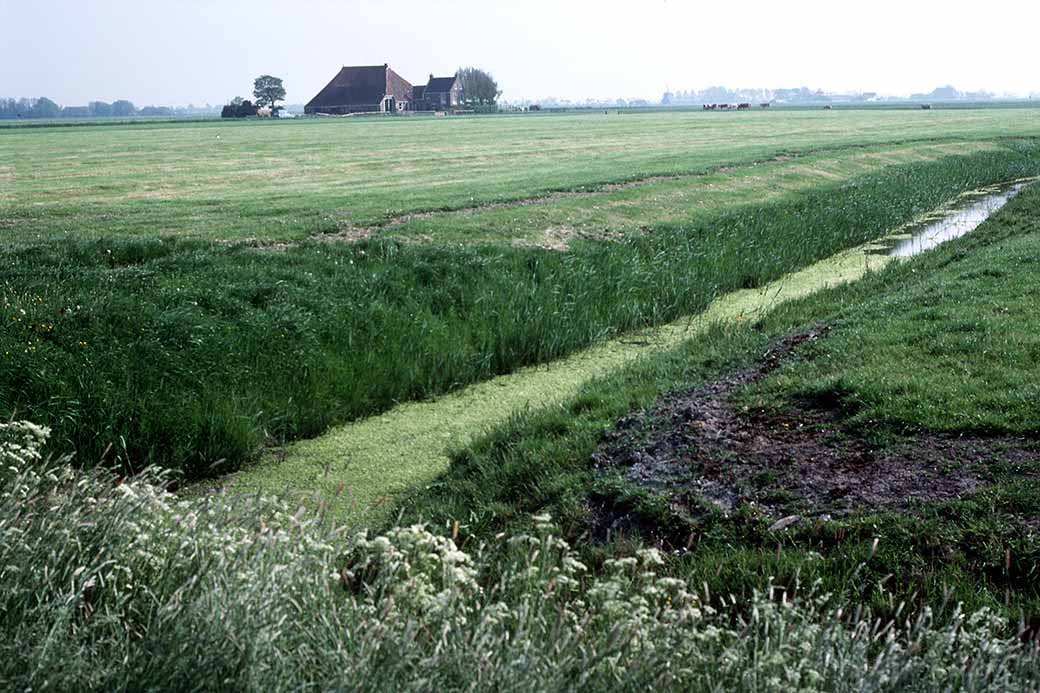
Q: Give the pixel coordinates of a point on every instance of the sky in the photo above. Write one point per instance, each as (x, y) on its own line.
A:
(176, 52)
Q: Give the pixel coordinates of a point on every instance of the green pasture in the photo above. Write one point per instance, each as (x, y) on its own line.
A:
(188, 294)
(289, 180)
(428, 325)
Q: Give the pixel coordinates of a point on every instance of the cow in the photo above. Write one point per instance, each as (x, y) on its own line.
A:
(764, 105)
(743, 106)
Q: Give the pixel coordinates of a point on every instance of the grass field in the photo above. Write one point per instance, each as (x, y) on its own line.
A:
(839, 492)
(283, 180)
(144, 331)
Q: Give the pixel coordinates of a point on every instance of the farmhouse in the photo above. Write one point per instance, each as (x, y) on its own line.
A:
(442, 93)
(378, 89)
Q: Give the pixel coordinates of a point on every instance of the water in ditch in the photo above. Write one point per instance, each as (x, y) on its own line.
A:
(964, 217)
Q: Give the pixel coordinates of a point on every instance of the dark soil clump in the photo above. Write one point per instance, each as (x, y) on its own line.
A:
(695, 450)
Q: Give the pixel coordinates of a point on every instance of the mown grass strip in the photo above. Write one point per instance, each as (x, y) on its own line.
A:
(610, 213)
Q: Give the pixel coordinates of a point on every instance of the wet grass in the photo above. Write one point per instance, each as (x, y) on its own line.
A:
(191, 355)
(982, 550)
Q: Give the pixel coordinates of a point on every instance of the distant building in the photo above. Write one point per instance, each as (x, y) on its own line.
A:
(442, 93)
(378, 89)
(374, 89)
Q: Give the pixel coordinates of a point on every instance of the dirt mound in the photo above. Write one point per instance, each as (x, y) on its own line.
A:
(694, 449)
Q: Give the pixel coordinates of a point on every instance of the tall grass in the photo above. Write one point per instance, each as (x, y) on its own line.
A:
(119, 586)
(190, 355)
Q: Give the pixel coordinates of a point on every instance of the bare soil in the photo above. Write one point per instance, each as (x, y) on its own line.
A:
(696, 450)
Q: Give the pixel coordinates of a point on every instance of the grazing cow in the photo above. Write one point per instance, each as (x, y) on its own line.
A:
(926, 106)
(743, 106)
(764, 105)
(828, 108)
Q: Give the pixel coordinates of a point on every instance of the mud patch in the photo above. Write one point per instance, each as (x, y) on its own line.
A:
(696, 451)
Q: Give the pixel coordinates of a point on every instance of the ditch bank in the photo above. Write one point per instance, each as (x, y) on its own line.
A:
(357, 470)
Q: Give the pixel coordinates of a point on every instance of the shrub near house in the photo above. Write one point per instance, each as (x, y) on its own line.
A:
(239, 108)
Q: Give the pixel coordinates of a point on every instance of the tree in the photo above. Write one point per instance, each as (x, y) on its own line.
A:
(238, 108)
(245, 109)
(45, 108)
(123, 108)
(479, 87)
(165, 111)
(268, 90)
(100, 109)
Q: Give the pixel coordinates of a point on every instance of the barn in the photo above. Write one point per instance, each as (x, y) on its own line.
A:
(365, 89)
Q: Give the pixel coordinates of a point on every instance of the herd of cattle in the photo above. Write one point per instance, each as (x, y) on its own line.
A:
(726, 106)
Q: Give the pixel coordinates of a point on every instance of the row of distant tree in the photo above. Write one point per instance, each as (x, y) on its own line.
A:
(46, 108)
(480, 88)
(726, 95)
(806, 95)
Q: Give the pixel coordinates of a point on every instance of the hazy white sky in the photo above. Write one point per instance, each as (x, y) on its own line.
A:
(174, 52)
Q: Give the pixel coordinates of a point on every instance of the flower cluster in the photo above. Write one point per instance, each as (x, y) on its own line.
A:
(113, 583)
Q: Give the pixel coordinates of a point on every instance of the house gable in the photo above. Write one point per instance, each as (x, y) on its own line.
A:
(443, 92)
